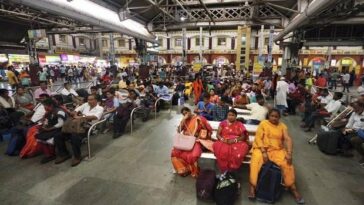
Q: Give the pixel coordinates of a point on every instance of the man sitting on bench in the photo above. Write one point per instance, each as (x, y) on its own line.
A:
(259, 110)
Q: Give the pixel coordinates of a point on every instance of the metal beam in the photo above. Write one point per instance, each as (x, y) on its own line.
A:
(207, 11)
(161, 9)
(315, 7)
(183, 8)
(78, 30)
(281, 7)
(334, 43)
(69, 9)
(220, 24)
(353, 20)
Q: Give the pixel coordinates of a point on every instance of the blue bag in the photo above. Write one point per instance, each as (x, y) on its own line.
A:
(269, 187)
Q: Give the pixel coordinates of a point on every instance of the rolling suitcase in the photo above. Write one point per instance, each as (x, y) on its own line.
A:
(328, 141)
(226, 191)
(269, 187)
(205, 185)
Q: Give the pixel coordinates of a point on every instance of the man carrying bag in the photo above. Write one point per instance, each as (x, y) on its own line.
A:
(75, 128)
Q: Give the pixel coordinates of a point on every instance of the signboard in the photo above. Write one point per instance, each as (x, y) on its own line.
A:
(37, 34)
(18, 58)
(52, 59)
(3, 58)
(270, 44)
(197, 67)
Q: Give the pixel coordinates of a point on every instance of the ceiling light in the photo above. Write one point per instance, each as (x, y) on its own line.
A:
(183, 18)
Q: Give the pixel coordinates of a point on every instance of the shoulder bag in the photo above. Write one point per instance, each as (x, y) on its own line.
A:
(183, 142)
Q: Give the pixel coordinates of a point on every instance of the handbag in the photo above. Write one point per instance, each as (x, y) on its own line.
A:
(183, 142)
(75, 126)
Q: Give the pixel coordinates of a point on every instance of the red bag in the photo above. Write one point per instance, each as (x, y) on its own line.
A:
(31, 147)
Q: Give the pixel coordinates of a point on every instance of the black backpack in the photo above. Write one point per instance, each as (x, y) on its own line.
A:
(269, 187)
(226, 191)
(205, 185)
(328, 141)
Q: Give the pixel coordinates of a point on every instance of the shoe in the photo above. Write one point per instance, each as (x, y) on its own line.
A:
(47, 159)
(300, 201)
(308, 130)
(75, 162)
(62, 159)
(361, 162)
(117, 135)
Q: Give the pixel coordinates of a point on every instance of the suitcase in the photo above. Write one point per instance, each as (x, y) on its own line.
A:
(175, 98)
(269, 186)
(205, 185)
(328, 141)
(226, 191)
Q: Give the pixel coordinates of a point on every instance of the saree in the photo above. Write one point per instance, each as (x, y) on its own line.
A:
(185, 162)
(271, 137)
(197, 90)
(230, 156)
(31, 147)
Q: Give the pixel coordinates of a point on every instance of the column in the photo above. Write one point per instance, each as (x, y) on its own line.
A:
(112, 49)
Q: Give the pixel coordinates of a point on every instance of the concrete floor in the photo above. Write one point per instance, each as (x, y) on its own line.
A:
(137, 170)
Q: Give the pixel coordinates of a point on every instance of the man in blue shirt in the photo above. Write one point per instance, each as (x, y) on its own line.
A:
(220, 110)
(162, 90)
(204, 108)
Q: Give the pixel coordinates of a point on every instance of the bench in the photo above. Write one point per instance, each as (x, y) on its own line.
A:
(93, 131)
(215, 125)
(242, 111)
(169, 100)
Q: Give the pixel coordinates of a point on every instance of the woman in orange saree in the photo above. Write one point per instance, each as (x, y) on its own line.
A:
(185, 162)
(197, 89)
(273, 143)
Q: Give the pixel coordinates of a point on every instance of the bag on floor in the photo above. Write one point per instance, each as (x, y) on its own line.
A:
(75, 126)
(205, 185)
(32, 147)
(269, 186)
(226, 191)
(328, 141)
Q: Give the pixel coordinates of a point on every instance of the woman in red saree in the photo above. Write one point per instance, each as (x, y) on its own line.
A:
(197, 89)
(231, 147)
(185, 162)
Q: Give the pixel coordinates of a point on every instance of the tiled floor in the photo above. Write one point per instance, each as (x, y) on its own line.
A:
(136, 170)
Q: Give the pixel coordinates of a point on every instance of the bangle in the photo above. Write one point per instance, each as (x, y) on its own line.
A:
(236, 140)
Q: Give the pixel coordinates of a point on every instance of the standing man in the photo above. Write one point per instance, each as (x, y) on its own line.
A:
(281, 96)
(13, 80)
(346, 81)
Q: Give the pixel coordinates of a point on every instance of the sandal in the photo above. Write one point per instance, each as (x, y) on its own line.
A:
(251, 197)
(300, 201)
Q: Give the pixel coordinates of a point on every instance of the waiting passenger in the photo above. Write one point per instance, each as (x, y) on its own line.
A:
(214, 99)
(185, 162)
(23, 100)
(204, 108)
(231, 147)
(273, 143)
(50, 128)
(350, 134)
(220, 110)
(122, 116)
(258, 110)
(92, 112)
(43, 89)
(241, 100)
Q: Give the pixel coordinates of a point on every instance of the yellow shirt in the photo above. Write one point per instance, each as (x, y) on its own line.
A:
(122, 84)
(12, 78)
(270, 136)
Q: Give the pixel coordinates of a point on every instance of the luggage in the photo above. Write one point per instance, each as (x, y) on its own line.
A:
(205, 185)
(269, 186)
(75, 126)
(328, 141)
(226, 190)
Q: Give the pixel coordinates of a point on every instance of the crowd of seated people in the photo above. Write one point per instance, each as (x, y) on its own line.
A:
(219, 101)
(37, 120)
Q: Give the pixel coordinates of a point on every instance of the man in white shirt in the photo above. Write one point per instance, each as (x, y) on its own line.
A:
(350, 137)
(92, 112)
(281, 96)
(346, 81)
(68, 90)
(258, 110)
(330, 110)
